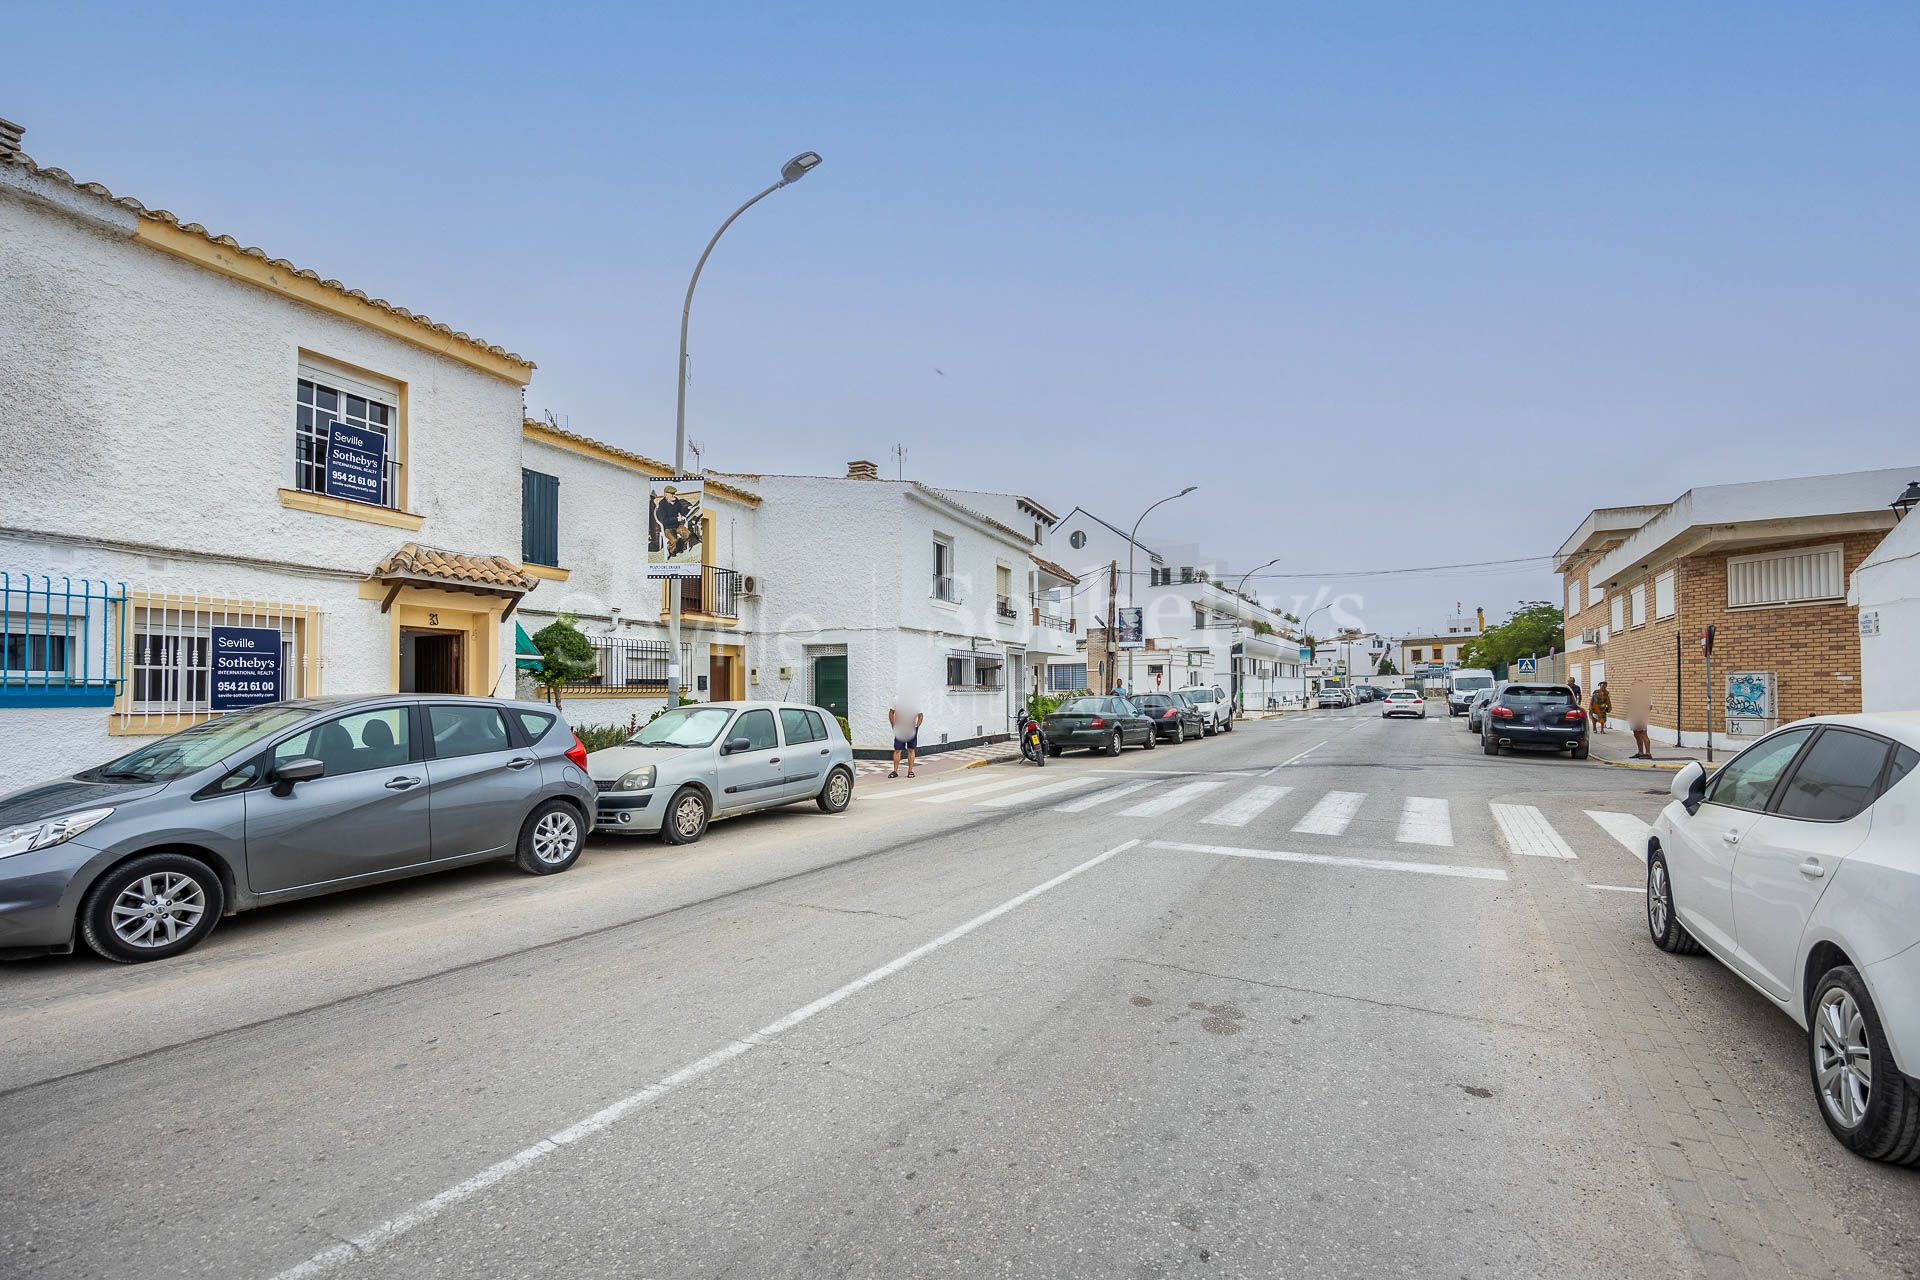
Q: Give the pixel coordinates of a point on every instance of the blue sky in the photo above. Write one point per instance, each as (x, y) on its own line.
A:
(1395, 285)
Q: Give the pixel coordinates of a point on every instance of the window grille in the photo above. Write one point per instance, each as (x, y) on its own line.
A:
(1786, 577)
(60, 640)
(168, 656)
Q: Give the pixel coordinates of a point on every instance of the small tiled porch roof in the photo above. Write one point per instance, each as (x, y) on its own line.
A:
(452, 571)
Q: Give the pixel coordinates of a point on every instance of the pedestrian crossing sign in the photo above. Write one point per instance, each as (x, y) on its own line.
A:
(1526, 666)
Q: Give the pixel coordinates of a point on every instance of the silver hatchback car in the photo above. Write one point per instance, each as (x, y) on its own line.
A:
(141, 856)
(716, 760)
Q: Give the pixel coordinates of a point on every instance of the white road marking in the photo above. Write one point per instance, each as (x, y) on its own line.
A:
(1425, 821)
(1038, 793)
(1332, 860)
(968, 793)
(1624, 827)
(1331, 816)
(1528, 832)
(902, 788)
(377, 1237)
(1243, 809)
(1618, 888)
(1101, 797)
(1167, 801)
(1284, 763)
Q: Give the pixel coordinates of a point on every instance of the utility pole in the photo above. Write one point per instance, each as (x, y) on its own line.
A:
(1113, 653)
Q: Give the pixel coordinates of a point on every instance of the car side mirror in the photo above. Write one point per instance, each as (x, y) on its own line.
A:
(1689, 786)
(298, 769)
(736, 745)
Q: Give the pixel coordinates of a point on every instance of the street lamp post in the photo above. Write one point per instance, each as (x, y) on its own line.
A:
(1130, 545)
(791, 172)
(1240, 591)
(1303, 635)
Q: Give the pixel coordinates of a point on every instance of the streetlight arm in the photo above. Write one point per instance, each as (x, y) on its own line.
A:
(686, 312)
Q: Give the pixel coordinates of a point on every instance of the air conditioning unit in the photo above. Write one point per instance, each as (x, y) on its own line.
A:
(1589, 635)
(749, 585)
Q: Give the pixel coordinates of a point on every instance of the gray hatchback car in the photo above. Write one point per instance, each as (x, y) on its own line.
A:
(140, 857)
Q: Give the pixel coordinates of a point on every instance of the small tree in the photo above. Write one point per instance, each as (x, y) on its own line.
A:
(1386, 667)
(565, 656)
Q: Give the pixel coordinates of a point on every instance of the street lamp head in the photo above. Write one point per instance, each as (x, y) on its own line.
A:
(1908, 500)
(796, 168)
(1184, 492)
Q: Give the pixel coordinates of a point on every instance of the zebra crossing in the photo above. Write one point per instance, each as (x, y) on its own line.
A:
(1240, 800)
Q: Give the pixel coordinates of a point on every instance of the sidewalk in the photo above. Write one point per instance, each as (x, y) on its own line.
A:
(1616, 744)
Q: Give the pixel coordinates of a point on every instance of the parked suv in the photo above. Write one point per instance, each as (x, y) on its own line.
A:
(1535, 715)
(142, 856)
(712, 760)
(1215, 712)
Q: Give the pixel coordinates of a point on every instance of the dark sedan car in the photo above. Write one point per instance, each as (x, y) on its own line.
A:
(1174, 718)
(1535, 715)
(1100, 724)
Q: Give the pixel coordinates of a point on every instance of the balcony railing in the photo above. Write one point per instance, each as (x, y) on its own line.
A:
(1003, 605)
(715, 593)
(624, 663)
(943, 588)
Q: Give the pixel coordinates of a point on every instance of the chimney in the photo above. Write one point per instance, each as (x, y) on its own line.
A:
(863, 470)
(10, 134)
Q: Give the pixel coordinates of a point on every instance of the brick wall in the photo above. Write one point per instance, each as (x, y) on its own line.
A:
(1813, 650)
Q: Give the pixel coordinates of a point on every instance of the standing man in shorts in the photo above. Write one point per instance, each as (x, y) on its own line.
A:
(906, 720)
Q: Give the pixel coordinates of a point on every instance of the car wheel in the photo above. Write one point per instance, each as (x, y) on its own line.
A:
(1663, 922)
(1153, 737)
(1226, 725)
(1869, 1105)
(838, 793)
(550, 840)
(1053, 751)
(1488, 746)
(1113, 747)
(151, 908)
(1580, 752)
(1179, 733)
(686, 817)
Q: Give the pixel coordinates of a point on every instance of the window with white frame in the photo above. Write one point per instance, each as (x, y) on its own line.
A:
(1800, 576)
(1663, 603)
(1617, 616)
(974, 670)
(170, 650)
(1066, 677)
(326, 394)
(1639, 598)
(943, 584)
(1573, 596)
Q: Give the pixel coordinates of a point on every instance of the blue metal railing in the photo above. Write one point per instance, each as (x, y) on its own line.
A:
(60, 642)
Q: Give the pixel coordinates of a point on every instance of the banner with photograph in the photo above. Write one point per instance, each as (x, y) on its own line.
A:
(1132, 629)
(674, 527)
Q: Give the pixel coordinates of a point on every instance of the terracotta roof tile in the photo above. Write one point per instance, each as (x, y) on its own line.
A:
(1056, 570)
(652, 466)
(416, 561)
(193, 228)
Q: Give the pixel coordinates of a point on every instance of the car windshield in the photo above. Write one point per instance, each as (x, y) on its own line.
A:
(1082, 707)
(1465, 684)
(1537, 694)
(683, 727)
(207, 743)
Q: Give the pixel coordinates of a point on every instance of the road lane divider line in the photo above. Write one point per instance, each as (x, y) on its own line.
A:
(1284, 763)
(1336, 860)
(1243, 809)
(1099, 798)
(1038, 793)
(355, 1248)
(1425, 821)
(906, 789)
(1630, 831)
(1618, 888)
(1331, 816)
(983, 789)
(1168, 801)
(1527, 832)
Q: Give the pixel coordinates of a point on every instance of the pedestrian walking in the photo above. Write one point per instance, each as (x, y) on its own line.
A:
(1600, 706)
(1640, 719)
(1573, 683)
(906, 720)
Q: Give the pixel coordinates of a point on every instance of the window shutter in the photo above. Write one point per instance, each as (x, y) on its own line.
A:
(1639, 596)
(539, 518)
(1663, 595)
(1618, 617)
(1786, 577)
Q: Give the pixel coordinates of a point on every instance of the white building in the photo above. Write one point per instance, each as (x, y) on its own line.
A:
(884, 590)
(1886, 590)
(166, 398)
(584, 529)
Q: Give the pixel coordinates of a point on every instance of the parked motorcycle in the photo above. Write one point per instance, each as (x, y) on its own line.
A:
(1033, 743)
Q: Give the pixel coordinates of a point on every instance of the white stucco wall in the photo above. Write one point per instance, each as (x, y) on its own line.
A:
(1887, 583)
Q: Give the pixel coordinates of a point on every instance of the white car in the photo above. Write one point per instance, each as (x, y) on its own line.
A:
(1798, 866)
(1403, 702)
(1215, 712)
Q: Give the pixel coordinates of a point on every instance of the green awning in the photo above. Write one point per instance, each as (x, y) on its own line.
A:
(526, 655)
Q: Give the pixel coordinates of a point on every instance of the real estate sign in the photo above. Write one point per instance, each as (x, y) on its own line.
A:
(245, 667)
(356, 464)
(674, 526)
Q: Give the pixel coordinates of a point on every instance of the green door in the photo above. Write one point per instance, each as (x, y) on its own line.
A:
(830, 683)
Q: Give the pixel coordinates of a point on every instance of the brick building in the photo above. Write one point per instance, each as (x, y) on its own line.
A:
(1767, 564)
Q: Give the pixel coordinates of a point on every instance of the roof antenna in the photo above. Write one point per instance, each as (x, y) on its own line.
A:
(899, 462)
(693, 447)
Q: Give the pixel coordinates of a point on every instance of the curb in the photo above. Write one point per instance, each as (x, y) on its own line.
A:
(1662, 766)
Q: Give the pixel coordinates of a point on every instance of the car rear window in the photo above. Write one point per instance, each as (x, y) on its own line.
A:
(1404, 697)
(1083, 707)
(1155, 700)
(1537, 694)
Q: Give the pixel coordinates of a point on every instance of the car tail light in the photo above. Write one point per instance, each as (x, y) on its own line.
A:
(1499, 712)
(1576, 714)
(1097, 723)
(578, 752)
(1168, 714)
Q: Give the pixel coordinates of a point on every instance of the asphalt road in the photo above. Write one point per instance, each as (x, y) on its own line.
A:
(1324, 996)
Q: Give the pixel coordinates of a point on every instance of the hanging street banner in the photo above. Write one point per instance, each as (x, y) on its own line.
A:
(674, 526)
(1132, 627)
(246, 667)
(356, 464)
